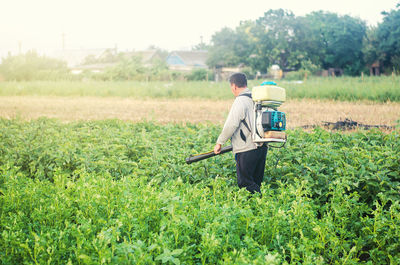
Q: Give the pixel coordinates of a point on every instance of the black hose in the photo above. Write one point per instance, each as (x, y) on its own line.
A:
(196, 158)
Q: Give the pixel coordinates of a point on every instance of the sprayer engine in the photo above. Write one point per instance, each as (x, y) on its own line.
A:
(269, 123)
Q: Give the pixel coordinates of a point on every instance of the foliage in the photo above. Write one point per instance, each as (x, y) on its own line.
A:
(370, 47)
(32, 66)
(388, 34)
(296, 75)
(158, 70)
(201, 47)
(380, 89)
(340, 40)
(114, 192)
(309, 66)
(132, 68)
(249, 72)
(326, 40)
(109, 56)
(200, 75)
(280, 40)
(126, 69)
(222, 52)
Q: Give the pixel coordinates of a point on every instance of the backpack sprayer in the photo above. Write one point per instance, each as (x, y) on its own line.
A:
(269, 123)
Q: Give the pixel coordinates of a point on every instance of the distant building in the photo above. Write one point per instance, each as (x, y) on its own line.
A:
(375, 69)
(274, 72)
(94, 68)
(332, 72)
(147, 56)
(187, 60)
(223, 73)
(77, 57)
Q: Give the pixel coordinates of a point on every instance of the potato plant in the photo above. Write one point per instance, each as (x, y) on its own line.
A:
(112, 192)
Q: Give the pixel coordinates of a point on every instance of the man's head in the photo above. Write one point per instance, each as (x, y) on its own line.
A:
(238, 83)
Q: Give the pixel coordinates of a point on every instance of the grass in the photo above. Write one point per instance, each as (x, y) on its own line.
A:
(380, 89)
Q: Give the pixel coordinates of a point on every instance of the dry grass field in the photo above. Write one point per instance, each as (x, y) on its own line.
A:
(299, 112)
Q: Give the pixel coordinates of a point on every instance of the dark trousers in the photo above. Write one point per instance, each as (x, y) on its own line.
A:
(250, 167)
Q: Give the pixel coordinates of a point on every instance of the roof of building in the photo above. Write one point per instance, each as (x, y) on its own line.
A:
(96, 66)
(75, 57)
(147, 55)
(189, 58)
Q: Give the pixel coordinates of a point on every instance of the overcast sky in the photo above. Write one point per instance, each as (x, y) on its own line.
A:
(135, 25)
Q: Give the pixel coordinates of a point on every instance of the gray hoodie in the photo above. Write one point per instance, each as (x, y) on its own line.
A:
(235, 128)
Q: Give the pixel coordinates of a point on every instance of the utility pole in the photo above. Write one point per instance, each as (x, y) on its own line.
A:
(63, 41)
(19, 47)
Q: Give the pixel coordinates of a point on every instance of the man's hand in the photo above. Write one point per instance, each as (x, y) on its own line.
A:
(217, 149)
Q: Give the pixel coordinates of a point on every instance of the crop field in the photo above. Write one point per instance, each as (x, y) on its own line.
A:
(95, 173)
(101, 192)
(379, 89)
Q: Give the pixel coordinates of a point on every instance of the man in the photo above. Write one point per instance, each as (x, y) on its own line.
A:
(250, 158)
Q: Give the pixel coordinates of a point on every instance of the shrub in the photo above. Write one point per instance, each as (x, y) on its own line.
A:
(31, 66)
(199, 75)
(297, 75)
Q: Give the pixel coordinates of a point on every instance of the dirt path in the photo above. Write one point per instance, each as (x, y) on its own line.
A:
(299, 112)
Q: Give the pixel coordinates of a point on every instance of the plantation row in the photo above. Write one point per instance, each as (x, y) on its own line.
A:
(121, 193)
(380, 89)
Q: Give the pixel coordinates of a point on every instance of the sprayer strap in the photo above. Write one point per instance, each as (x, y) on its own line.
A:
(246, 125)
(246, 95)
(244, 121)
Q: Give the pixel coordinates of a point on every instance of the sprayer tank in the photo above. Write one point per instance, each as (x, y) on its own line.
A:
(268, 93)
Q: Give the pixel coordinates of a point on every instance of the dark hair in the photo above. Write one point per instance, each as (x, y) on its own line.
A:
(238, 79)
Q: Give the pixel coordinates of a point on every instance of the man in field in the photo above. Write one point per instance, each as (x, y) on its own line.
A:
(250, 158)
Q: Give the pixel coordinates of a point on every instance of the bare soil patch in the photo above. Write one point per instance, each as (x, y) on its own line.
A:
(299, 112)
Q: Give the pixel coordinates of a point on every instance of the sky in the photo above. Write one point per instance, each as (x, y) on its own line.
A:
(135, 25)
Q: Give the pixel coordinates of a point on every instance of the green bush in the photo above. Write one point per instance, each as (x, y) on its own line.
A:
(297, 75)
(200, 75)
(31, 66)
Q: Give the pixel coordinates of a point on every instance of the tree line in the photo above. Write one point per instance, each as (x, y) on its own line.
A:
(319, 40)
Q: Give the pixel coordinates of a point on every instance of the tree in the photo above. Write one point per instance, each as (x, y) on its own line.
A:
(31, 66)
(279, 40)
(161, 52)
(108, 56)
(339, 40)
(200, 47)
(157, 69)
(371, 47)
(320, 39)
(233, 47)
(388, 34)
(222, 52)
(246, 43)
(90, 59)
(127, 69)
